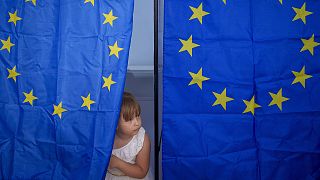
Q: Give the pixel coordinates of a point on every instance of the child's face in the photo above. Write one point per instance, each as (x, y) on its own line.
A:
(130, 127)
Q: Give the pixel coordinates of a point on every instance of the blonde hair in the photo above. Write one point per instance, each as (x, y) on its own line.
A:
(130, 108)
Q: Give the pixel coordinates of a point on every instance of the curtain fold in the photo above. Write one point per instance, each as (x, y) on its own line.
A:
(63, 68)
(241, 89)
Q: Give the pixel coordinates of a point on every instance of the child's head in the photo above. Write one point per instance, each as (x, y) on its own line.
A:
(129, 121)
(130, 108)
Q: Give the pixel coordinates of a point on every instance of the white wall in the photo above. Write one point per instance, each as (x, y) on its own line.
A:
(141, 50)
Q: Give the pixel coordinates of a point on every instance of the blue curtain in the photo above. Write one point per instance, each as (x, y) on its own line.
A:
(241, 89)
(62, 74)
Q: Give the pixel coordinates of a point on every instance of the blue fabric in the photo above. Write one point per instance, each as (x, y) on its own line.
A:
(61, 51)
(249, 47)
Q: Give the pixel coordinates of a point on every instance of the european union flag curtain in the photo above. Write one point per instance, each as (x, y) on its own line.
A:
(241, 89)
(62, 69)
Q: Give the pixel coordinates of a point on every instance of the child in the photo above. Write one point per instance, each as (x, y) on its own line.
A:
(131, 149)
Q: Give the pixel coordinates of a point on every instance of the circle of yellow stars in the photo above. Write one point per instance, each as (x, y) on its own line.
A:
(30, 97)
(188, 45)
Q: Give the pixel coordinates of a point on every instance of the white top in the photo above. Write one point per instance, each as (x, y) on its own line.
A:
(128, 153)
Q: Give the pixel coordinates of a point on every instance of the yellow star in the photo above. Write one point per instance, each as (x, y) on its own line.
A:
(222, 99)
(29, 97)
(197, 78)
(188, 45)
(108, 82)
(6, 44)
(309, 44)
(109, 18)
(114, 50)
(301, 13)
(13, 74)
(33, 2)
(198, 13)
(58, 110)
(280, 1)
(278, 99)
(87, 101)
(251, 105)
(225, 2)
(301, 77)
(91, 1)
(14, 18)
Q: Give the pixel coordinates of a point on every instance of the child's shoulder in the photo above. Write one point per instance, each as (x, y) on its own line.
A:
(143, 137)
(140, 136)
(141, 131)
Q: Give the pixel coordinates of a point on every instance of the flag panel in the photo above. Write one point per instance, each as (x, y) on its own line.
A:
(63, 66)
(255, 65)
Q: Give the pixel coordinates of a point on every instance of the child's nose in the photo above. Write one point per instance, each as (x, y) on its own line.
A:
(136, 121)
